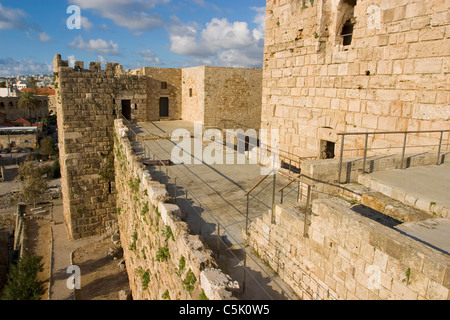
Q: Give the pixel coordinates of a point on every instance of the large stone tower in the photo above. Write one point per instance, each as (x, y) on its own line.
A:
(88, 102)
(337, 66)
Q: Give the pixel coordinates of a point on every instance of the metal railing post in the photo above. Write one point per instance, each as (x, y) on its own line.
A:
(308, 202)
(341, 158)
(245, 272)
(246, 215)
(218, 240)
(282, 196)
(365, 153)
(404, 151)
(439, 161)
(176, 189)
(273, 196)
(308, 199)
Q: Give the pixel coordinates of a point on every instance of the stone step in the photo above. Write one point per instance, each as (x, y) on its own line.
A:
(393, 208)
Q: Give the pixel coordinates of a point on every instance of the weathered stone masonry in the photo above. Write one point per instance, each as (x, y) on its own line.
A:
(86, 111)
(89, 100)
(164, 261)
(347, 256)
(393, 76)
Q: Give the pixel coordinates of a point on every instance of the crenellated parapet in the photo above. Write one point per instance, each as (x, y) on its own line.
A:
(79, 66)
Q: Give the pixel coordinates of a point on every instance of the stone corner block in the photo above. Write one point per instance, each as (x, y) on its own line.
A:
(166, 209)
(216, 284)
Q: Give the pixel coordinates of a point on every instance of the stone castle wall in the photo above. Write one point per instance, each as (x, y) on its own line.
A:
(227, 98)
(233, 98)
(393, 76)
(347, 256)
(193, 94)
(155, 91)
(164, 261)
(89, 100)
(87, 107)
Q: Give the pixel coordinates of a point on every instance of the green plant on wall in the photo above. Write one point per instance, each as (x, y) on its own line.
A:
(145, 209)
(408, 277)
(190, 281)
(203, 296)
(168, 233)
(163, 254)
(166, 295)
(134, 184)
(134, 238)
(181, 266)
(145, 279)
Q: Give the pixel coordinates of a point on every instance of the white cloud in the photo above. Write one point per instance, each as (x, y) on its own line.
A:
(99, 46)
(150, 58)
(102, 60)
(10, 66)
(71, 60)
(132, 14)
(44, 37)
(86, 24)
(221, 42)
(11, 18)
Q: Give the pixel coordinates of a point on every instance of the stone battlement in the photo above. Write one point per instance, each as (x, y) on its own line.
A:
(110, 67)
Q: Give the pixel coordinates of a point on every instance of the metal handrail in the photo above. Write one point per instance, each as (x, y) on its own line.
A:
(178, 181)
(257, 185)
(404, 147)
(389, 132)
(291, 182)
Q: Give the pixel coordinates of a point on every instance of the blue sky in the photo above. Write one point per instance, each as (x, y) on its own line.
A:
(134, 33)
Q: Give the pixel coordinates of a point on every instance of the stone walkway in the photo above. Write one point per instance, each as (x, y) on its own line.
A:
(220, 189)
(61, 255)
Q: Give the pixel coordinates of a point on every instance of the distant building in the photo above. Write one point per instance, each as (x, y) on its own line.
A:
(10, 91)
(21, 85)
(10, 107)
(24, 137)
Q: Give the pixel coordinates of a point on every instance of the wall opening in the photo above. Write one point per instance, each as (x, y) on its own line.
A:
(345, 22)
(327, 149)
(190, 92)
(347, 33)
(126, 109)
(164, 85)
(164, 107)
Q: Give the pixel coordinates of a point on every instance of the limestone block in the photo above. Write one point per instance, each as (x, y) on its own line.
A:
(167, 210)
(157, 194)
(214, 281)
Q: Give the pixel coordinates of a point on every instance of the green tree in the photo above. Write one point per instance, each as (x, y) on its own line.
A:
(29, 102)
(48, 147)
(33, 184)
(23, 283)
